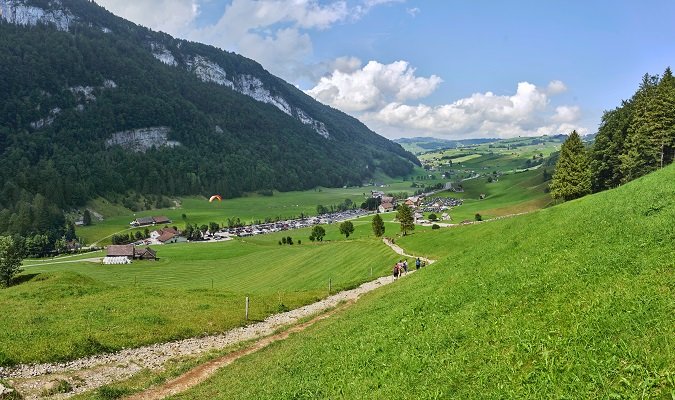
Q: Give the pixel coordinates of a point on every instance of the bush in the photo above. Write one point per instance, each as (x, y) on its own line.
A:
(433, 217)
(435, 226)
(478, 217)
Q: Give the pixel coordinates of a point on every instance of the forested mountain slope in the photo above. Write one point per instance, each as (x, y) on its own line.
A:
(93, 104)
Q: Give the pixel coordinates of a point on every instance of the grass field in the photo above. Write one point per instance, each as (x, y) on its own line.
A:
(198, 210)
(511, 194)
(575, 301)
(71, 309)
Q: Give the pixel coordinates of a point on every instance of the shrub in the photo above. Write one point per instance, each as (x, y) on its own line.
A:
(435, 226)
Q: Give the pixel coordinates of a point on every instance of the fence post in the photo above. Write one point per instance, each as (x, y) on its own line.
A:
(329, 285)
(247, 308)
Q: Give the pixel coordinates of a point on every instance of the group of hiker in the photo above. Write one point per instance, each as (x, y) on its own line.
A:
(401, 267)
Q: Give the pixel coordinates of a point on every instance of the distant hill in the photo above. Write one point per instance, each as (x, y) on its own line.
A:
(93, 104)
(419, 145)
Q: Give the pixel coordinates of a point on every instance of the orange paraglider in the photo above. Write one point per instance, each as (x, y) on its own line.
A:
(215, 197)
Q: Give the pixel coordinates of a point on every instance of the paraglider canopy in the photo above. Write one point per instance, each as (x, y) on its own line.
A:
(215, 197)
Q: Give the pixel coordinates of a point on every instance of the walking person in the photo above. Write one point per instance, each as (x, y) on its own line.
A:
(405, 266)
(417, 263)
(396, 270)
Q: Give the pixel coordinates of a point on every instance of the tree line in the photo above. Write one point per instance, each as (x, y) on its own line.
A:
(633, 140)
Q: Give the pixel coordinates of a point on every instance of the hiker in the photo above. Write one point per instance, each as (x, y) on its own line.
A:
(418, 263)
(405, 266)
(396, 270)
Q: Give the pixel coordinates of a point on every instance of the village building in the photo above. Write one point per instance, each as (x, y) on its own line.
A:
(146, 254)
(388, 199)
(144, 221)
(385, 207)
(121, 250)
(125, 253)
(161, 220)
(154, 235)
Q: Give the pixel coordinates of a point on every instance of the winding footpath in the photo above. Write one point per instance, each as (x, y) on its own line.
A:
(89, 373)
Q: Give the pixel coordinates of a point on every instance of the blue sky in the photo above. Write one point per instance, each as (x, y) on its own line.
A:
(451, 69)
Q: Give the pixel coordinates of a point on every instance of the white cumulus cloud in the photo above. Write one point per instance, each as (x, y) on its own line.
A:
(372, 86)
(380, 95)
(556, 87)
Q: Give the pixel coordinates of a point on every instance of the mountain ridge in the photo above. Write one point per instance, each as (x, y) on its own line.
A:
(77, 77)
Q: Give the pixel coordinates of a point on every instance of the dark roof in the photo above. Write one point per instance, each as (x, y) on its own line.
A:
(145, 220)
(166, 236)
(146, 253)
(161, 219)
(167, 230)
(120, 250)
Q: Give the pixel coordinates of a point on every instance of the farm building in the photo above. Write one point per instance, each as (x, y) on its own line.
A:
(143, 221)
(385, 207)
(146, 254)
(121, 250)
(128, 252)
(161, 220)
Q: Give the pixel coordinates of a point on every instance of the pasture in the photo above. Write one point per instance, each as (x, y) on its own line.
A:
(575, 301)
(510, 194)
(72, 308)
(198, 210)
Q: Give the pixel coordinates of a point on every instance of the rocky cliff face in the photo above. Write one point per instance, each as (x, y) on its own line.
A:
(141, 140)
(20, 13)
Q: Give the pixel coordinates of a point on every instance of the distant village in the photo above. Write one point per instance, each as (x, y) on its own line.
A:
(126, 253)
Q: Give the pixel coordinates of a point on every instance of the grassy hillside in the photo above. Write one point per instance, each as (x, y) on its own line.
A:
(71, 309)
(511, 194)
(575, 301)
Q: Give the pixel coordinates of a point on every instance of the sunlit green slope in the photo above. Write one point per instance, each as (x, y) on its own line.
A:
(576, 301)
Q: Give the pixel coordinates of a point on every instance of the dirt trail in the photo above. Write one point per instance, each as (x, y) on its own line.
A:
(93, 372)
(199, 374)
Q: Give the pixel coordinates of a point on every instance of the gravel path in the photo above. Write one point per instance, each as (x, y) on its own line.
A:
(92, 372)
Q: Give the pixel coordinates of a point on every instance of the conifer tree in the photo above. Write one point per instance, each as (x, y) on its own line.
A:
(406, 218)
(378, 225)
(608, 146)
(572, 177)
(640, 155)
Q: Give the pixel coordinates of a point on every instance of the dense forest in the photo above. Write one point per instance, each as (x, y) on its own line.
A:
(638, 136)
(633, 140)
(66, 92)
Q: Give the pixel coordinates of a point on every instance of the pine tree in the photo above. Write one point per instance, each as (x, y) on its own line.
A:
(10, 259)
(378, 225)
(572, 177)
(86, 218)
(406, 218)
(608, 146)
(640, 155)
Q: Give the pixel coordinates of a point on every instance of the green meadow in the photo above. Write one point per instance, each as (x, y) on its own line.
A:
(69, 307)
(510, 194)
(198, 210)
(574, 301)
